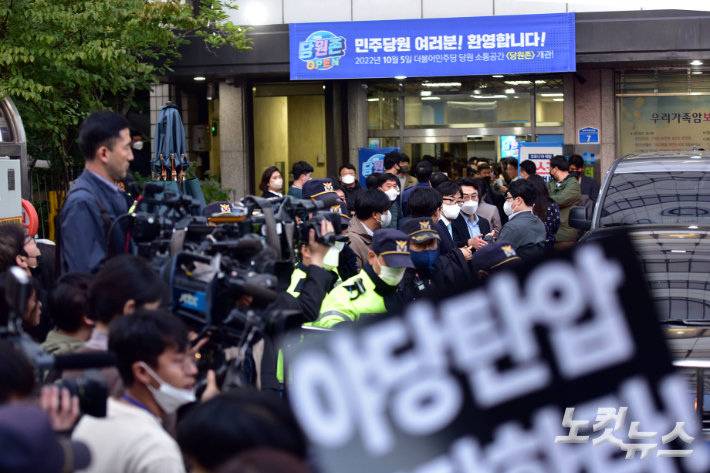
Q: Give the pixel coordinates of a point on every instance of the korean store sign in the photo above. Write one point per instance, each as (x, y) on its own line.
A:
(517, 44)
(510, 376)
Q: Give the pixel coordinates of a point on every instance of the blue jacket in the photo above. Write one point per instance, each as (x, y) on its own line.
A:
(82, 230)
(405, 196)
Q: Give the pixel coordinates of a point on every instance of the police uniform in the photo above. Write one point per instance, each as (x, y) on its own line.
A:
(365, 292)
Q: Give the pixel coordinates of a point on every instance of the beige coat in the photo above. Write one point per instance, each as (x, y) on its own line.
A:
(360, 241)
(490, 213)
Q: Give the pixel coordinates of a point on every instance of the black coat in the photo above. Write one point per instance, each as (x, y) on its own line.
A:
(460, 230)
(269, 195)
(447, 243)
(351, 194)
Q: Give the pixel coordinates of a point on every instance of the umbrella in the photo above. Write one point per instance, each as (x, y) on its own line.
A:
(170, 161)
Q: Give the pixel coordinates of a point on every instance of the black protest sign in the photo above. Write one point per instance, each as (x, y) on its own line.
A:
(480, 382)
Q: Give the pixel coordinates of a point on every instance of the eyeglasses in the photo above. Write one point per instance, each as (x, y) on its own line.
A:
(467, 198)
(451, 201)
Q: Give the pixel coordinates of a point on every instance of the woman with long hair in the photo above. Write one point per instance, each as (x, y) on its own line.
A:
(271, 182)
(546, 210)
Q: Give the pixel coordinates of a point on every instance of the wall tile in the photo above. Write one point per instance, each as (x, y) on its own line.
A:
(309, 11)
(457, 8)
(364, 10)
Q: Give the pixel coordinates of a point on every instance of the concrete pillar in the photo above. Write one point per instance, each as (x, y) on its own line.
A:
(594, 106)
(233, 159)
(357, 118)
(569, 126)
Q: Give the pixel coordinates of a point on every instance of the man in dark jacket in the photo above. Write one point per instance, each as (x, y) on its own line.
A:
(589, 187)
(525, 231)
(95, 202)
(349, 181)
(141, 154)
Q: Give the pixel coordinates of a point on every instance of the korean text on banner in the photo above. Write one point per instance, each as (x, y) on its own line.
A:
(483, 382)
(371, 161)
(517, 44)
(540, 154)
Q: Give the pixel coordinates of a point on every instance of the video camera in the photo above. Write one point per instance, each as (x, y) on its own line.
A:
(91, 389)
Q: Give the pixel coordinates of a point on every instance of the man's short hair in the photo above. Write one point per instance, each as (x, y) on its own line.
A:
(559, 162)
(481, 186)
(483, 160)
(403, 158)
(99, 129)
(371, 180)
(529, 167)
(438, 178)
(524, 189)
(347, 166)
(423, 171)
(472, 160)
(448, 189)
(386, 177)
(576, 161)
(423, 202)
(300, 168)
(483, 166)
(69, 301)
(391, 159)
(144, 336)
(512, 162)
(12, 245)
(369, 202)
(17, 376)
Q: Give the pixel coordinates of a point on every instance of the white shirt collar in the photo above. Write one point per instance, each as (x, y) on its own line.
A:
(367, 229)
(518, 213)
(444, 219)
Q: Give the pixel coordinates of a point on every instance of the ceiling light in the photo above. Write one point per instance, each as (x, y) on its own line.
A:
(441, 84)
(431, 98)
(372, 100)
(426, 93)
(553, 95)
(489, 96)
(696, 63)
(680, 332)
(695, 157)
(518, 82)
(516, 97)
(693, 227)
(692, 363)
(400, 77)
(558, 100)
(697, 72)
(199, 78)
(498, 75)
(677, 251)
(509, 91)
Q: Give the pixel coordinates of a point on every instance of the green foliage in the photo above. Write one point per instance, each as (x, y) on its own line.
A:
(62, 59)
(212, 189)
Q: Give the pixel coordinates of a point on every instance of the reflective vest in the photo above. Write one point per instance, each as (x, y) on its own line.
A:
(347, 302)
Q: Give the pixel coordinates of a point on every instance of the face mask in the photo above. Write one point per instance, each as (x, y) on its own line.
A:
(425, 259)
(168, 397)
(451, 211)
(508, 208)
(392, 194)
(277, 184)
(391, 276)
(138, 145)
(386, 219)
(404, 169)
(348, 179)
(469, 207)
(331, 259)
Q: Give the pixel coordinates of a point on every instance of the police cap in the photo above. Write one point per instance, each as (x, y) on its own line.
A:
(393, 246)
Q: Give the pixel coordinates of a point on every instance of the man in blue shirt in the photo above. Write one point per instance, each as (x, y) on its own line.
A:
(422, 172)
(470, 228)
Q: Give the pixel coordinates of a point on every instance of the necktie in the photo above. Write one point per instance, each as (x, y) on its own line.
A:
(448, 227)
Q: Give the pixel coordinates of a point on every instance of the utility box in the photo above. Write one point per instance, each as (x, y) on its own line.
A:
(201, 138)
(10, 191)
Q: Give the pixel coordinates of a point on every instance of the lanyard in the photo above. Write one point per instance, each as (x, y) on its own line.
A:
(137, 404)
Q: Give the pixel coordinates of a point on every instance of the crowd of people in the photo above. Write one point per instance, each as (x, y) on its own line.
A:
(409, 233)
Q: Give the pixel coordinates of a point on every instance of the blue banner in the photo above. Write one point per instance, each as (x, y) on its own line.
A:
(517, 44)
(371, 161)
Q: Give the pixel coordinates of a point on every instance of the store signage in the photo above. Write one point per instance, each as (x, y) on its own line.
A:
(540, 154)
(517, 44)
(508, 377)
(371, 161)
(588, 135)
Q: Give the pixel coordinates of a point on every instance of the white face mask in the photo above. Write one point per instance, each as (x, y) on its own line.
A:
(451, 211)
(469, 207)
(386, 219)
(391, 276)
(392, 194)
(332, 258)
(168, 397)
(138, 145)
(277, 184)
(508, 208)
(348, 179)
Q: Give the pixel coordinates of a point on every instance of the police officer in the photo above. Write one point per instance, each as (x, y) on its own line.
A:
(497, 256)
(365, 292)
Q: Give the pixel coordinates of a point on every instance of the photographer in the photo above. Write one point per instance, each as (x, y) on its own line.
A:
(69, 305)
(33, 308)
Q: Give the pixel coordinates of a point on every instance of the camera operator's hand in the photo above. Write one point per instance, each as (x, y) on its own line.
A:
(212, 389)
(318, 250)
(63, 412)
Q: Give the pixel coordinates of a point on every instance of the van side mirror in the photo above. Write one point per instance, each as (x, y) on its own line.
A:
(578, 219)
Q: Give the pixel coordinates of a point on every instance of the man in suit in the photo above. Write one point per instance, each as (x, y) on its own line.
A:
(427, 202)
(484, 209)
(398, 164)
(469, 227)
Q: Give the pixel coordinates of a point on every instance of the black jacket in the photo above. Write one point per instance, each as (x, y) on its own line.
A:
(351, 194)
(460, 230)
(447, 243)
(269, 195)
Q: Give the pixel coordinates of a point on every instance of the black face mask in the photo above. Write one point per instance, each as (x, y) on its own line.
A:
(37, 270)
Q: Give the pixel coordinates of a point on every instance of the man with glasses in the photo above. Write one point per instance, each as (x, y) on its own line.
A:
(470, 228)
(452, 237)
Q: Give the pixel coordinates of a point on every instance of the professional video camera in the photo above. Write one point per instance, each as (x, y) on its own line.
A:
(91, 389)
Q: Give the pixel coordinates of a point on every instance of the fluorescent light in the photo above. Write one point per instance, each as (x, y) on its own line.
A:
(696, 63)
(489, 96)
(431, 98)
(441, 84)
(697, 72)
(680, 332)
(553, 95)
(199, 78)
(498, 75)
(373, 100)
(558, 100)
(400, 77)
(692, 363)
(695, 157)
(677, 251)
(516, 97)
(693, 227)
(426, 93)
(509, 91)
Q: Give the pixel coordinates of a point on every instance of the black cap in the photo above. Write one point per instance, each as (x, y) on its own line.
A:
(420, 229)
(316, 187)
(216, 208)
(494, 255)
(341, 208)
(393, 246)
(29, 444)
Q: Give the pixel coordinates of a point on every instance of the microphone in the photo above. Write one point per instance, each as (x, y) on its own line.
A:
(84, 361)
